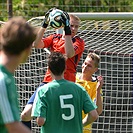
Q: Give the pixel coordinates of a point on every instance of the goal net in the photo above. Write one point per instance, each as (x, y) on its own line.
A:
(111, 37)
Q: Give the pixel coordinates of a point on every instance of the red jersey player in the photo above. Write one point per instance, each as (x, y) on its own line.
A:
(68, 43)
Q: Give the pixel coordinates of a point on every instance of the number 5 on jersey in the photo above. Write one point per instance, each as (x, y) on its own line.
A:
(67, 106)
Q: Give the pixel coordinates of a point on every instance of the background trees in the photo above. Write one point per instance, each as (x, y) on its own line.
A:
(32, 8)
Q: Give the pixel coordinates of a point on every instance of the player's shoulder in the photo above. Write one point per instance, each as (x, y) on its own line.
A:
(77, 87)
(72, 83)
(77, 38)
(6, 75)
(80, 88)
(43, 88)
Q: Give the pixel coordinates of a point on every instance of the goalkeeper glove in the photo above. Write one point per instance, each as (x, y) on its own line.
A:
(46, 19)
(66, 21)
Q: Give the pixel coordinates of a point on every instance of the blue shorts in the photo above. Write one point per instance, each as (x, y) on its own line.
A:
(31, 100)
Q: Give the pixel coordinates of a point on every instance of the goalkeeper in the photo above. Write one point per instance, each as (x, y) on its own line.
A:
(92, 85)
(68, 43)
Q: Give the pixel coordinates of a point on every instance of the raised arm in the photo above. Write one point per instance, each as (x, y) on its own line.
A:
(99, 99)
(38, 42)
(69, 49)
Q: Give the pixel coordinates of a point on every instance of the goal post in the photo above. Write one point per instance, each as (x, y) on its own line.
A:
(104, 16)
(110, 35)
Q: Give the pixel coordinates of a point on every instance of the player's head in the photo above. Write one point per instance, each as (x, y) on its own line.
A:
(16, 36)
(91, 63)
(74, 22)
(56, 63)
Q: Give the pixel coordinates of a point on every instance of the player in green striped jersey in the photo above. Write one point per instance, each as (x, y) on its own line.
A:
(58, 104)
(16, 38)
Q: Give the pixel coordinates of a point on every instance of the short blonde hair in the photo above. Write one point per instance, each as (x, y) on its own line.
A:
(74, 17)
(94, 57)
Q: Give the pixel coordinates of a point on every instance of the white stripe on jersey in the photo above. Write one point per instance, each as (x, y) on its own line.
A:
(5, 108)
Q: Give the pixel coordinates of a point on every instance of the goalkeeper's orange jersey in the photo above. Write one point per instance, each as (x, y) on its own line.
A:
(56, 43)
(90, 87)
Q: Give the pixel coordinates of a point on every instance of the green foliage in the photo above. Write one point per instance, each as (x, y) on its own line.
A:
(118, 5)
(33, 8)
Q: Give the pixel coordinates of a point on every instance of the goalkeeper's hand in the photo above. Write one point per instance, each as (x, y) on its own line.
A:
(66, 21)
(46, 19)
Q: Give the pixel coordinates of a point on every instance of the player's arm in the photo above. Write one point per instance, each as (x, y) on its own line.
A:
(38, 109)
(38, 43)
(17, 127)
(90, 117)
(99, 99)
(89, 108)
(26, 113)
(69, 49)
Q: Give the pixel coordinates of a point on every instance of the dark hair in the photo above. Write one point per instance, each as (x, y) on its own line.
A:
(56, 63)
(16, 35)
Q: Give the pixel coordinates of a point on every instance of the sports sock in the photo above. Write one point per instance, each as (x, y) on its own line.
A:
(27, 123)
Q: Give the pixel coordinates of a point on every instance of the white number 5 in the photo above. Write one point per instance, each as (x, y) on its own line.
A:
(70, 106)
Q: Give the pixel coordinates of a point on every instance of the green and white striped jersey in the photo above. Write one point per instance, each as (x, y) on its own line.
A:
(9, 106)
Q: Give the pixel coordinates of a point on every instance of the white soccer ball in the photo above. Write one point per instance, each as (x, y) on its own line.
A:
(55, 18)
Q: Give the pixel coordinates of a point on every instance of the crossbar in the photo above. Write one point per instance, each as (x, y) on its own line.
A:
(104, 15)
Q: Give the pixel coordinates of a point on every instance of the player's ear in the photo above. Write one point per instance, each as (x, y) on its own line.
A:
(49, 69)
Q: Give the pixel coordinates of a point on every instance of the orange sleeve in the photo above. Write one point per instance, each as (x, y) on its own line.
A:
(47, 41)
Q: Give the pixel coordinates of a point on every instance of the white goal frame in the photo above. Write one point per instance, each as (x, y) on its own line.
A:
(109, 35)
(104, 16)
